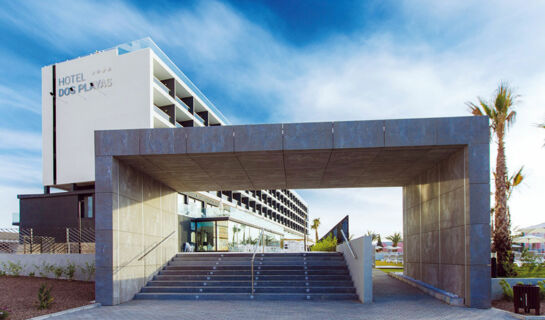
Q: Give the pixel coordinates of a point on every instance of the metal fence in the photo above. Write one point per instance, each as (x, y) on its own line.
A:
(47, 240)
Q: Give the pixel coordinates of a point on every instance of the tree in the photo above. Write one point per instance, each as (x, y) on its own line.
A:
(379, 242)
(501, 113)
(315, 225)
(235, 231)
(395, 238)
(372, 234)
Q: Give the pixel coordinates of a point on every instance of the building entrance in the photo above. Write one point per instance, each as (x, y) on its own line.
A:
(441, 164)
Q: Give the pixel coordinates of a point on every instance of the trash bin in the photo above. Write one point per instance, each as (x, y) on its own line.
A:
(526, 296)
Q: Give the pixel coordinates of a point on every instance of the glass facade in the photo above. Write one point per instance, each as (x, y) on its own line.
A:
(227, 235)
(208, 228)
(244, 238)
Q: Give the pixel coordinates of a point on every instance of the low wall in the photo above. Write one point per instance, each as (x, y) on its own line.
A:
(497, 291)
(36, 263)
(361, 267)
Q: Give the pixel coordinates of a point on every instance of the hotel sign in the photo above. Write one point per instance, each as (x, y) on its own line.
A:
(78, 82)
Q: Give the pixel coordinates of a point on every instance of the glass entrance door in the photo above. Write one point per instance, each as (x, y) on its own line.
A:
(206, 236)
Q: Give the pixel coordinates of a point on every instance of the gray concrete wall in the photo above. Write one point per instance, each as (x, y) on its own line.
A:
(133, 213)
(446, 226)
(360, 267)
(35, 263)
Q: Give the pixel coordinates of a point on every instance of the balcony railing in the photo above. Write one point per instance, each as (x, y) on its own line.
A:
(196, 210)
(148, 43)
(161, 113)
(161, 85)
(182, 104)
(199, 119)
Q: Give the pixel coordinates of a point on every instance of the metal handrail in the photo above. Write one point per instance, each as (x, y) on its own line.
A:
(156, 245)
(349, 245)
(253, 256)
(143, 255)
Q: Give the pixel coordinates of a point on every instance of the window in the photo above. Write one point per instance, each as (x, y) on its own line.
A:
(86, 207)
(89, 207)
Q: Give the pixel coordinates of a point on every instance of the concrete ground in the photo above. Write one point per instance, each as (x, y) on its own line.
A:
(393, 300)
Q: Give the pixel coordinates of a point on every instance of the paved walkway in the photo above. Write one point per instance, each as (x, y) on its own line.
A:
(393, 300)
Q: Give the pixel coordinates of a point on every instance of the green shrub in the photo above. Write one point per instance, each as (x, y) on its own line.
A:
(70, 270)
(507, 290)
(45, 300)
(529, 259)
(45, 269)
(31, 274)
(58, 271)
(88, 270)
(541, 285)
(327, 244)
(14, 268)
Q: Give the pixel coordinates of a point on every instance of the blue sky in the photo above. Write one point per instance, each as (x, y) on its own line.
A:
(291, 61)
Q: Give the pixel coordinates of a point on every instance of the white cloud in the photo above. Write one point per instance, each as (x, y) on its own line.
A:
(25, 99)
(20, 140)
(20, 170)
(18, 175)
(433, 58)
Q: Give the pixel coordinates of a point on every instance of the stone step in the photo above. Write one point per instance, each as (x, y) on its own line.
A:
(247, 289)
(260, 283)
(259, 277)
(245, 296)
(280, 276)
(260, 267)
(256, 263)
(246, 254)
(248, 258)
(335, 271)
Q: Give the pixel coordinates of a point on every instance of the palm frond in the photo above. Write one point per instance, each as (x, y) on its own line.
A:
(474, 109)
(517, 178)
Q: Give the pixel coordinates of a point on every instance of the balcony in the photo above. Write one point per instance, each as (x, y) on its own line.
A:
(161, 85)
(182, 104)
(161, 113)
(199, 119)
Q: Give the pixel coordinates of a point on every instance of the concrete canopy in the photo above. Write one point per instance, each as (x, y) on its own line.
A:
(441, 163)
(291, 156)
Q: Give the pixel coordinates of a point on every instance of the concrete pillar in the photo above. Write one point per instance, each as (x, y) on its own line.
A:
(133, 214)
(446, 224)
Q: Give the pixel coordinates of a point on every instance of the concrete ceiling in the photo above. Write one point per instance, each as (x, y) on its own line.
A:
(347, 168)
(375, 153)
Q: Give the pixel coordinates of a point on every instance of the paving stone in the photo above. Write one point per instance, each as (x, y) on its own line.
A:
(393, 300)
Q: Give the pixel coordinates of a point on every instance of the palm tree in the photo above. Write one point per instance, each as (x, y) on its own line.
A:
(373, 235)
(235, 231)
(502, 114)
(315, 225)
(514, 181)
(395, 238)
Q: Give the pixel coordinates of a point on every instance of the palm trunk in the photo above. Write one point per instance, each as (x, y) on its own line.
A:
(502, 239)
(316, 235)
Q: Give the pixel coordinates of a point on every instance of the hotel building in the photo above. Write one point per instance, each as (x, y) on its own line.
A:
(134, 86)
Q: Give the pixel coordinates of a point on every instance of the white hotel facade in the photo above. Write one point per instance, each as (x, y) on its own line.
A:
(133, 86)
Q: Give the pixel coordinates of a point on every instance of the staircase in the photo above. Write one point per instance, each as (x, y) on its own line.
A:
(277, 276)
